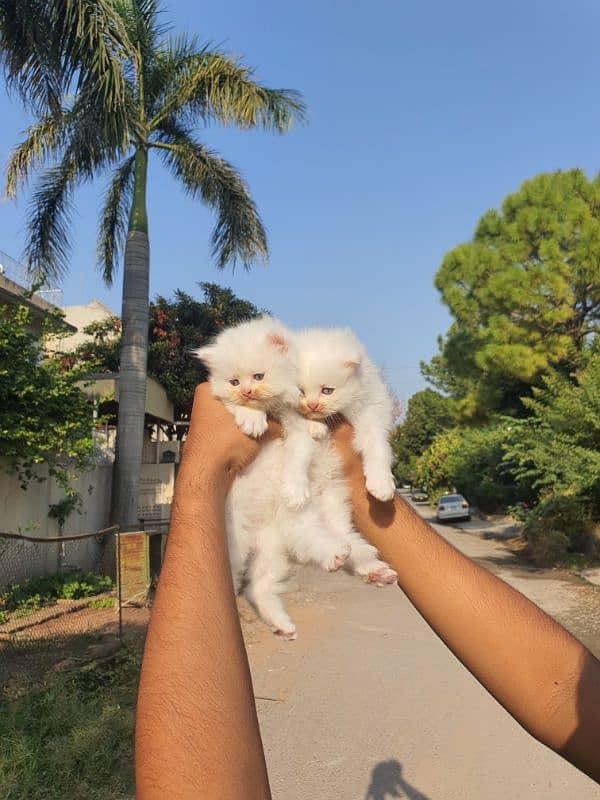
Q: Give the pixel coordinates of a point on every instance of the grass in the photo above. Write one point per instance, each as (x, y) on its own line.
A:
(72, 740)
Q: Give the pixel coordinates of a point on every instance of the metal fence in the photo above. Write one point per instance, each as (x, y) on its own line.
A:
(73, 599)
(18, 273)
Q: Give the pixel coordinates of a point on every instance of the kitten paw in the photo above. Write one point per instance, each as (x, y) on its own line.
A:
(295, 495)
(318, 430)
(338, 559)
(381, 485)
(251, 422)
(381, 575)
(287, 634)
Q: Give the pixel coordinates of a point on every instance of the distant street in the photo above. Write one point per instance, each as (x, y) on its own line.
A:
(368, 704)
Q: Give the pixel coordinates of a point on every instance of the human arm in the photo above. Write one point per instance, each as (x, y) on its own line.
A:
(196, 726)
(546, 679)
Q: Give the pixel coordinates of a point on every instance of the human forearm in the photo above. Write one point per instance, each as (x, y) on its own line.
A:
(196, 727)
(541, 674)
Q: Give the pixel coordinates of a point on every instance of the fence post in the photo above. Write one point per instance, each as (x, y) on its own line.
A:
(119, 585)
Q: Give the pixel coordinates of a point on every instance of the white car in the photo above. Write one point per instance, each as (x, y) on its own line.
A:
(452, 506)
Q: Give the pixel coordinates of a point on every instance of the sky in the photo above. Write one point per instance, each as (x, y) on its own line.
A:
(422, 115)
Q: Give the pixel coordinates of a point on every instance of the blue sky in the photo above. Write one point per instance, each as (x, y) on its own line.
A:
(422, 116)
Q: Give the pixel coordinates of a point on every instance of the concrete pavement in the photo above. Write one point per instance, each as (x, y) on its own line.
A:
(369, 704)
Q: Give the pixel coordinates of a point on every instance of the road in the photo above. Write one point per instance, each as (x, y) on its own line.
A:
(368, 704)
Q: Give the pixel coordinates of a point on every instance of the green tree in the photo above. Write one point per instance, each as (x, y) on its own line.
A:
(557, 448)
(44, 417)
(172, 86)
(524, 293)
(428, 414)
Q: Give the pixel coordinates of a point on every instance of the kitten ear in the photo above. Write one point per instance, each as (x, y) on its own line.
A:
(352, 364)
(204, 354)
(278, 341)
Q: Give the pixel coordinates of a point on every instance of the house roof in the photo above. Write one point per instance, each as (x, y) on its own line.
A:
(12, 293)
(104, 387)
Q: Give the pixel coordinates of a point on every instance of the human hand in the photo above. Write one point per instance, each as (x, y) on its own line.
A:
(366, 509)
(215, 443)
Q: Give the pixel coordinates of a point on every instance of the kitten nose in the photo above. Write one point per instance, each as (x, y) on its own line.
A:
(246, 392)
(313, 404)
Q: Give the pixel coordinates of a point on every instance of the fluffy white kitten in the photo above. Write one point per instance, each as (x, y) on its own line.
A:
(336, 376)
(270, 518)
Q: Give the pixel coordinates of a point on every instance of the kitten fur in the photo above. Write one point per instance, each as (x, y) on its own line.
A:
(292, 502)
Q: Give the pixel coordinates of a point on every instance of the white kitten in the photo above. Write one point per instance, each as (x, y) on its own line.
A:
(253, 371)
(337, 377)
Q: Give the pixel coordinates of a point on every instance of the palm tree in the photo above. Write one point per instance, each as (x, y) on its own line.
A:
(172, 86)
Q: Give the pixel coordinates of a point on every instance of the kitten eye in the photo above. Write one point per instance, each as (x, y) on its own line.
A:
(301, 391)
(327, 390)
(234, 382)
(258, 376)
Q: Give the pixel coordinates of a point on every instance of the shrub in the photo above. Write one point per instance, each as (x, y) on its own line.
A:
(557, 526)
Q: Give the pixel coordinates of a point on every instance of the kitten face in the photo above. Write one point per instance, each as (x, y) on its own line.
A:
(253, 365)
(329, 371)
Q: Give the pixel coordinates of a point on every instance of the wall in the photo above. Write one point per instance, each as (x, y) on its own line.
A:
(26, 511)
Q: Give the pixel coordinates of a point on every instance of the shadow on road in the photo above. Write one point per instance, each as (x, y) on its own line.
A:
(387, 782)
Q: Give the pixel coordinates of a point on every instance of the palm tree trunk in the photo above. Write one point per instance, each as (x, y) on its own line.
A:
(134, 355)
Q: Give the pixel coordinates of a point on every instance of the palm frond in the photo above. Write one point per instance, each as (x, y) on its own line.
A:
(43, 138)
(45, 44)
(142, 22)
(113, 222)
(239, 233)
(85, 153)
(208, 84)
(48, 245)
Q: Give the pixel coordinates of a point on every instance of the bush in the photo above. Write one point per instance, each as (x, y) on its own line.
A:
(557, 526)
(34, 593)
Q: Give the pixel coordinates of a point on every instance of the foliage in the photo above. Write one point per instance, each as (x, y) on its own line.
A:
(557, 448)
(102, 602)
(38, 592)
(44, 417)
(471, 461)
(100, 352)
(524, 293)
(557, 526)
(61, 511)
(72, 738)
(51, 46)
(428, 414)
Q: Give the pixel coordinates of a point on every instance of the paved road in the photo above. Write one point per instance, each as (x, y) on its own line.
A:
(369, 705)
